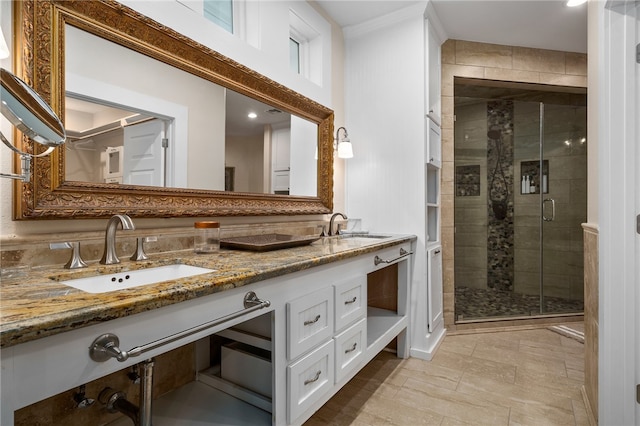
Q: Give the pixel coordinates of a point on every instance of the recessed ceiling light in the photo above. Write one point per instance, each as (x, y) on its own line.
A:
(573, 3)
(252, 115)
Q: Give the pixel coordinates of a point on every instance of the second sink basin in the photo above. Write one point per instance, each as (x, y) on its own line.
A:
(105, 283)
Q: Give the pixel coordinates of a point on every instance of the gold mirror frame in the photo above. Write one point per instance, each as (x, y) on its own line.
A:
(39, 44)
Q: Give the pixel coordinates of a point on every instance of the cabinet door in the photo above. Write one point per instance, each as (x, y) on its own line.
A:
(309, 379)
(351, 301)
(434, 287)
(433, 151)
(309, 321)
(350, 346)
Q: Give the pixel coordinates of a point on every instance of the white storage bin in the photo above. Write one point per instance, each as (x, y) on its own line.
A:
(248, 367)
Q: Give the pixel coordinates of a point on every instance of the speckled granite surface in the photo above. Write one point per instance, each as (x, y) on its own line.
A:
(33, 304)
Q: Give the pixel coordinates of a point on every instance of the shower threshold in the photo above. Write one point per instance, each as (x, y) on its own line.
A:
(521, 318)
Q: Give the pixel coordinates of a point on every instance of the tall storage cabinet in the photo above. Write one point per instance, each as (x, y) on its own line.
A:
(433, 175)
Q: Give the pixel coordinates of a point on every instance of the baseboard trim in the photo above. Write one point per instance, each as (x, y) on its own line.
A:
(429, 353)
(593, 421)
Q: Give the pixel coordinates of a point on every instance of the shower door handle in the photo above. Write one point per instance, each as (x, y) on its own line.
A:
(553, 210)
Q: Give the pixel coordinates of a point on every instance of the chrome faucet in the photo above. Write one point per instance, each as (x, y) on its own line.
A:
(333, 217)
(109, 257)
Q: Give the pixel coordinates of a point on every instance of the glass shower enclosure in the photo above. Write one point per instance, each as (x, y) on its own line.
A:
(520, 200)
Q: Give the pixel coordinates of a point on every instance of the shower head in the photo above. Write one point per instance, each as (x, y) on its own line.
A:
(494, 134)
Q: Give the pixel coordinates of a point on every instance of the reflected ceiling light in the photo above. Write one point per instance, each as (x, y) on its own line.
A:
(252, 115)
(573, 3)
(343, 145)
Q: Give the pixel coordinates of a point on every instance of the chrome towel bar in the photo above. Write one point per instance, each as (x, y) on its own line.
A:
(105, 346)
(403, 253)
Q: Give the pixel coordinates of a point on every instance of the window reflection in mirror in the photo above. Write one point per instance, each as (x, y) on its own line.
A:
(171, 128)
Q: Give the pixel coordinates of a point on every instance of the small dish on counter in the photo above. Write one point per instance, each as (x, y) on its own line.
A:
(267, 242)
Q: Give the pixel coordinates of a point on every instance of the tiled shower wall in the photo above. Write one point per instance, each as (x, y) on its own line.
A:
(494, 62)
(504, 253)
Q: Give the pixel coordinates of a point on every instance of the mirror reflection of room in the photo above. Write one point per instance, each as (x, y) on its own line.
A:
(126, 127)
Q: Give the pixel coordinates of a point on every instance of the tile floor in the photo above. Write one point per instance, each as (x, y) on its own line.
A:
(476, 303)
(527, 377)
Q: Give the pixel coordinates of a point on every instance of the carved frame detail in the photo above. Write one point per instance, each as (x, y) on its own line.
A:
(39, 44)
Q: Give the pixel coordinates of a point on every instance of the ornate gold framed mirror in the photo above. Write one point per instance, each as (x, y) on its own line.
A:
(40, 48)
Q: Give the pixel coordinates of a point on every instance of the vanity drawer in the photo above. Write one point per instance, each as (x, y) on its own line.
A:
(351, 301)
(309, 321)
(308, 379)
(350, 347)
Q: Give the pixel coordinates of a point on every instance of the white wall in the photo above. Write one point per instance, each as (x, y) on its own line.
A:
(617, 29)
(385, 117)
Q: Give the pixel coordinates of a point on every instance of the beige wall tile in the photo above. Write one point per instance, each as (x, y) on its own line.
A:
(447, 277)
(483, 54)
(512, 75)
(563, 80)
(447, 146)
(447, 177)
(449, 71)
(576, 63)
(448, 52)
(448, 235)
(538, 60)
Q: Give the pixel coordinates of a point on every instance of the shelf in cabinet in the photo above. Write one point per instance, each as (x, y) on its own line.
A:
(198, 404)
(433, 205)
(247, 337)
(382, 326)
(212, 378)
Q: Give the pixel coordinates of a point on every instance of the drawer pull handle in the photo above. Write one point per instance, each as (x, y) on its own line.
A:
(315, 379)
(378, 260)
(106, 346)
(351, 349)
(313, 321)
(353, 300)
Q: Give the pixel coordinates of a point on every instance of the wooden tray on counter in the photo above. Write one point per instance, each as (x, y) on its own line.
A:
(267, 242)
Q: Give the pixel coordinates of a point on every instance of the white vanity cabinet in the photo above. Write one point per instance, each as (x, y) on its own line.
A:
(320, 329)
(309, 321)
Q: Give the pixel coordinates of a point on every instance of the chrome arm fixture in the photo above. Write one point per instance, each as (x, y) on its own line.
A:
(343, 145)
(30, 114)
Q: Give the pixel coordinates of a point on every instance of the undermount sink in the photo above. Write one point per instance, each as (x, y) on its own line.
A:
(104, 283)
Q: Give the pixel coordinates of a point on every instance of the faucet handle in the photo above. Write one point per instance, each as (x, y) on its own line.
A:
(76, 261)
(139, 253)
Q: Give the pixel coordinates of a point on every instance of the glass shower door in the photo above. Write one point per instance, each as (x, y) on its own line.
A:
(563, 207)
(519, 202)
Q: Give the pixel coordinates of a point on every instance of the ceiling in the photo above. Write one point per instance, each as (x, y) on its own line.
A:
(543, 24)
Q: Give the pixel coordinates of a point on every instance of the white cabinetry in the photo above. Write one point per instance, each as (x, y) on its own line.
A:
(434, 285)
(351, 301)
(432, 176)
(350, 347)
(309, 321)
(314, 337)
(309, 379)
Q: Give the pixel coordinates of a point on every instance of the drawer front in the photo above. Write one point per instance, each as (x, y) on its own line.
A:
(308, 379)
(309, 321)
(350, 347)
(351, 301)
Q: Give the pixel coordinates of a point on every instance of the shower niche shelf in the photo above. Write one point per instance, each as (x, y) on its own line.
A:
(536, 181)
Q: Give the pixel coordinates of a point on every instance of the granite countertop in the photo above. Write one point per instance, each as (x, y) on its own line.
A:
(33, 304)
